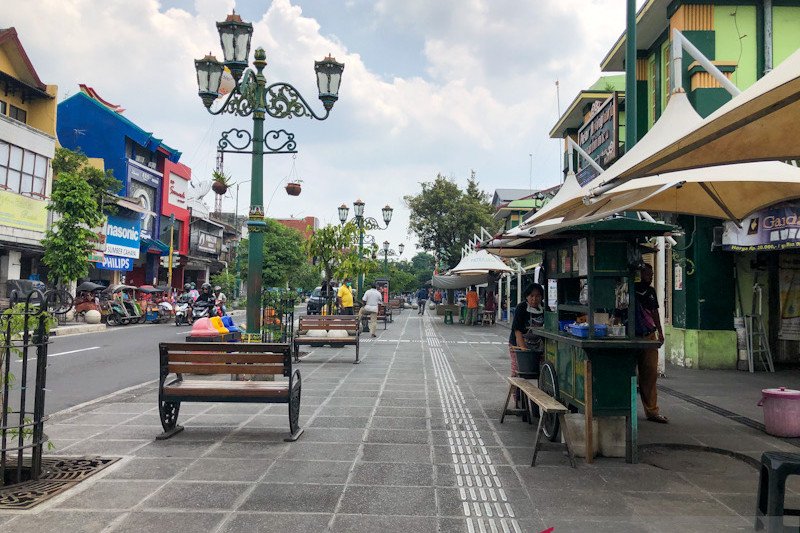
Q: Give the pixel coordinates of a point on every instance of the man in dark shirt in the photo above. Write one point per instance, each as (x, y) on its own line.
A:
(529, 313)
(649, 328)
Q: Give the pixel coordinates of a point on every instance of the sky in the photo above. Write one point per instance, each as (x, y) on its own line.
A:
(429, 87)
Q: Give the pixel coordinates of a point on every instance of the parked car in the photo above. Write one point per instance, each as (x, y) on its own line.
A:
(315, 302)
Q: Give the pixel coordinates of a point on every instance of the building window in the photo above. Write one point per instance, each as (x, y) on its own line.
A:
(22, 171)
(2, 107)
(18, 114)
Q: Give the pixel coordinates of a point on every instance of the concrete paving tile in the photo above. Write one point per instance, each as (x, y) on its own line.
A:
(507, 475)
(346, 392)
(58, 445)
(648, 504)
(276, 420)
(139, 521)
(723, 484)
(213, 469)
(271, 522)
(125, 408)
(61, 520)
(350, 401)
(408, 474)
(168, 448)
(583, 505)
(328, 410)
(248, 434)
(217, 420)
(414, 399)
(607, 526)
(697, 524)
(313, 434)
(254, 450)
(236, 408)
(100, 419)
(197, 495)
(318, 472)
(413, 501)
(442, 455)
(396, 453)
(450, 503)
(104, 447)
(203, 433)
(69, 431)
(645, 478)
(293, 498)
(108, 495)
(397, 436)
(742, 504)
(398, 422)
(340, 422)
(148, 468)
(415, 412)
(345, 523)
(126, 433)
(321, 451)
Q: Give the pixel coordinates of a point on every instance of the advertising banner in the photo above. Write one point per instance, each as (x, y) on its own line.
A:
(178, 190)
(122, 236)
(599, 138)
(775, 228)
(208, 243)
(143, 188)
(17, 211)
(110, 262)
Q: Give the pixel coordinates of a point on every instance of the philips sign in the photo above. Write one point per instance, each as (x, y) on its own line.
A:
(122, 237)
(116, 263)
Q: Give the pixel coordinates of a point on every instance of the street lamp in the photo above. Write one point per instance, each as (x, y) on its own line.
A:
(363, 223)
(387, 252)
(252, 96)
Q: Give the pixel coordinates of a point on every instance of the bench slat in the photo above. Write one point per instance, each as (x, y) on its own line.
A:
(235, 358)
(326, 340)
(225, 347)
(248, 389)
(211, 369)
(545, 402)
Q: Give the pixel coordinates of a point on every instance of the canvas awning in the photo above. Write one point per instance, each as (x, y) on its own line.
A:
(479, 262)
(756, 125)
(458, 282)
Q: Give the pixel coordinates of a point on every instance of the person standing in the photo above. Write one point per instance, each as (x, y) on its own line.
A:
(472, 306)
(437, 297)
(372, 299)
(344, 298)
(422, 298)
(648, 326)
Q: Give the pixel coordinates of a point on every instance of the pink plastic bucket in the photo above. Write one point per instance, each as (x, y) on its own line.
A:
(781, 411)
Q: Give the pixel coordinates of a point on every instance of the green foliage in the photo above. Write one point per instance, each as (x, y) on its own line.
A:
(306, 277)
(407, 276)
(68, 243)
(102, 182)
(444, 217)
(283, 254)
(335, 249)
(226, 280)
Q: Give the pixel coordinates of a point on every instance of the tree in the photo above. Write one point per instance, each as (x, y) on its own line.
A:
(225, 280)
(307, 277)
(103, 183)
(68, 243)
(444, 217)
(283, 254)
(335, 249)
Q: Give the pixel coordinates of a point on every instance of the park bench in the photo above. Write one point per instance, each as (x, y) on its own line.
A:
(384, 314)
(546, 404)
(310, 331)
(217, 358)
(395, 304)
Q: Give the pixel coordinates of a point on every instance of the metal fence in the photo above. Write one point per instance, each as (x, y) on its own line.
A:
(24, 340)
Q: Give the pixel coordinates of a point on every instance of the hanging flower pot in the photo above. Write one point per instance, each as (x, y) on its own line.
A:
(220, 182)
(293, 188)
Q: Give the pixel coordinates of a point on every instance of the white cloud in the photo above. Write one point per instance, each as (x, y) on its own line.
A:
(483, 96)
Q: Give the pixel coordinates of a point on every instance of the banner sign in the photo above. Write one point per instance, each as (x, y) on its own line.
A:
(208, 243)
(17, 211)
(110, 262)
(145, 176)
(776, 228)
(599, 138)
(122, 236)
(178, 190)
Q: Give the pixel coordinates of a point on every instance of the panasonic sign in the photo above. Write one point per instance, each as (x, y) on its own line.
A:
(122, 236)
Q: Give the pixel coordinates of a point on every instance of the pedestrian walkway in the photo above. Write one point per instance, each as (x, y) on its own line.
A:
(407, 441)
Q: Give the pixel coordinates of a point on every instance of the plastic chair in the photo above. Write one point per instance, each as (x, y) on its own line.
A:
(775, 468)
(448, 316)
(202, 328)
(227, 321)
(216, 323)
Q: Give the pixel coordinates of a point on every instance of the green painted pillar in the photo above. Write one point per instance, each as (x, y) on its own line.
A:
(630, 77)
(255, 222)
(360, 254)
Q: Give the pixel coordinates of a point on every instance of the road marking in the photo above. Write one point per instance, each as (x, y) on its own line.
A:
(73, 351)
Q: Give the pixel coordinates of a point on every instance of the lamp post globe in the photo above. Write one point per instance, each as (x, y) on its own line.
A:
(401, 247)
(385, 246)
(234, 36)
(209, 76)
(387, 214)
(329, 78)
(358, 208)
(344, 211)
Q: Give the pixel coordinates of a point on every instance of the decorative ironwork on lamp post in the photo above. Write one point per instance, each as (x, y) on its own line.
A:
(364, 223)
(387, 252)
(252, 96)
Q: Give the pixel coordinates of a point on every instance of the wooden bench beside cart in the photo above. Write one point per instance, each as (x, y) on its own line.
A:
(548, 406)
(310, 324)
(216, 358)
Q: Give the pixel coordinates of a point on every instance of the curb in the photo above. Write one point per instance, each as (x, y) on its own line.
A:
(64, 331)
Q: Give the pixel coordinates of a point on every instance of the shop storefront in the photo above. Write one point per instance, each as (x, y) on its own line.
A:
(175, 217)
(120, 250)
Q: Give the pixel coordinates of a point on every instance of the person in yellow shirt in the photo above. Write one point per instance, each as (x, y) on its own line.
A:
(344, 298)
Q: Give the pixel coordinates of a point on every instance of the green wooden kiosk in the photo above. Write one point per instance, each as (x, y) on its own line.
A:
(589, 273)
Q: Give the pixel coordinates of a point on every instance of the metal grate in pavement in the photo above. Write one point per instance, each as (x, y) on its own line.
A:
(484, 502)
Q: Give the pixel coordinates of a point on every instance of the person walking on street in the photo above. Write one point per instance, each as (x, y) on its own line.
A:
(372, 299)
(422, 298)
(648, 326)
(344, 298)
(472, 306)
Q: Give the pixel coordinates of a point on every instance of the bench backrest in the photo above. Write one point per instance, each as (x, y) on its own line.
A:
(336, 322)
(211, 358)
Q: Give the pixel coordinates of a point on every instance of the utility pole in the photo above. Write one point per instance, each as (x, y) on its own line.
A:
(171, 249)
(630, 77)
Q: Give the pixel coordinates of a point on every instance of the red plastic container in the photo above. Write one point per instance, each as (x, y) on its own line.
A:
(781, 411)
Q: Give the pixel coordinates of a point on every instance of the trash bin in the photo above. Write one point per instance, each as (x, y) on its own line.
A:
(528, 364)
(781, 411)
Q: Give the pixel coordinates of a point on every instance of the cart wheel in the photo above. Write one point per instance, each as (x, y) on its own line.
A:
(111, 320)
(548, 383)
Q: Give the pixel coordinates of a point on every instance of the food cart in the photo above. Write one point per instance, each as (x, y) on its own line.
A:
(589, 331)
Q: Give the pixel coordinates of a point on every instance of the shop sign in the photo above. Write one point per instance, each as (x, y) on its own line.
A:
(21, 212)
(776, 228)
(599, 138)
(208, 243)
(122, 236)
(142, 175)
(178, 190)
(143, 188)
(111, 262)
(96, 256)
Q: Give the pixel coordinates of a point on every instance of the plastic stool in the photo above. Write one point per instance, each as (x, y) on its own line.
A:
(775, 468)
(448, 316)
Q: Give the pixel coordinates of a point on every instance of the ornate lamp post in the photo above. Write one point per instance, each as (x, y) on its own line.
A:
(368, 223)
(252, 96)
(387, 252)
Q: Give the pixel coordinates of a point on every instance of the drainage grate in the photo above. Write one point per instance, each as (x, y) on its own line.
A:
(58, 475)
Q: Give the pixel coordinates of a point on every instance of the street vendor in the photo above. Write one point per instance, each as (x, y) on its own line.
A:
(648, 325)
(528, 314)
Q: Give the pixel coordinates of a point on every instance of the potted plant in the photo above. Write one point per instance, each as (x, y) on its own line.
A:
(220, 182)
(293, 188)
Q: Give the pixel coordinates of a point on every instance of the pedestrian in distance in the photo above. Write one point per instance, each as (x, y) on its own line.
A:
(344, 298)
(221, 299)
(422, 298)
(648, 326)
(372, 299)
(472, 306)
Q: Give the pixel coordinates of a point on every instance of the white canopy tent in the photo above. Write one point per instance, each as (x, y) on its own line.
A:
(458, 282)
(480, 262)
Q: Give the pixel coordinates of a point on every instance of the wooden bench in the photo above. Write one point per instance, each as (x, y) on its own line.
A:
(216, 358)
(384, 314)
(547, 404)
(395, 304)
(348, 323)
